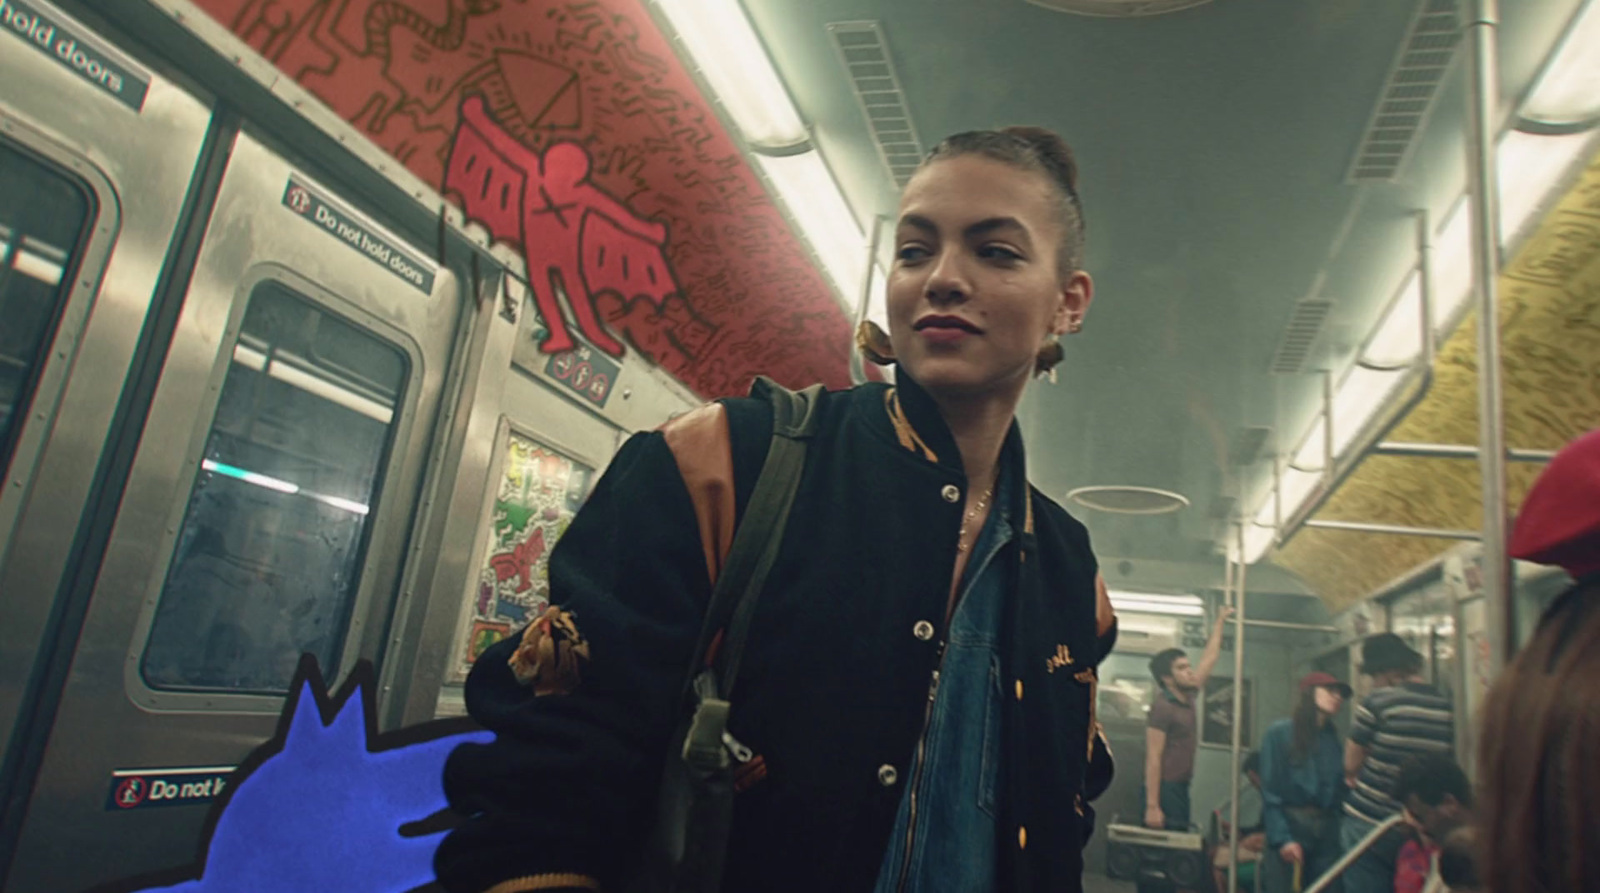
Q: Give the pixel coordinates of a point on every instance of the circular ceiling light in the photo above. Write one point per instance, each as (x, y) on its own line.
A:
(1118, 9)
(1129, 500)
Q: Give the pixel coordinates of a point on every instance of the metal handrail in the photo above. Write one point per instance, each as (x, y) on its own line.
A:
(858, 368)
(1356, 852)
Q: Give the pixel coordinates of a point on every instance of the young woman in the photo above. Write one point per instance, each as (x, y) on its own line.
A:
(1302, 778)
(1539, 757)
(917, 692)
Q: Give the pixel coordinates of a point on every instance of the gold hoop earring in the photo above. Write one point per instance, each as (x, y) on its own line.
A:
(873, 342)
(1048, 357)
(1074, 325)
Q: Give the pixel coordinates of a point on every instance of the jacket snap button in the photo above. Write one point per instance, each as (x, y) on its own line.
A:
(1019, 689)
(951, 493)
(922, 630)
(887, 775)
(1022, 837)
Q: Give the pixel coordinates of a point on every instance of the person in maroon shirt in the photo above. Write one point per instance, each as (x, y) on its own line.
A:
(1170, 731)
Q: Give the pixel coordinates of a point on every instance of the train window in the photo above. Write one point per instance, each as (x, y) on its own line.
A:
(268, 561)
(43, 218)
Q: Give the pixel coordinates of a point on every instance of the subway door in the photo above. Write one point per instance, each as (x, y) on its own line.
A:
(96, 161)
(266, 515)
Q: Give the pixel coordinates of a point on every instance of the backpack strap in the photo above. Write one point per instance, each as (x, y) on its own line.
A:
(744, 572)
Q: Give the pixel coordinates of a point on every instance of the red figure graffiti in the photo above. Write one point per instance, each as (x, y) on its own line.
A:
(578, 240)
(518, 564)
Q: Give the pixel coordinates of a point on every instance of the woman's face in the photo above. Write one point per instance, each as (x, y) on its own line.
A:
(976, 286)
(1329, 700)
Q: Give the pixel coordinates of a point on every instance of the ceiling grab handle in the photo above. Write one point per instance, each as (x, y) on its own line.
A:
(858, 368)
(1481, 27)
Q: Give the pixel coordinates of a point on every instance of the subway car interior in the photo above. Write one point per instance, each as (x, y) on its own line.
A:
(320, 318)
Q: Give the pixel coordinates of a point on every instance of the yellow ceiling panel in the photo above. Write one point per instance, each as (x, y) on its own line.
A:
(1550, 325)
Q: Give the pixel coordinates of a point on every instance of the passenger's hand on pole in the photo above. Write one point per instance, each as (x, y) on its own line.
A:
(1153, 818)
(1292, 852)
(1224, 614)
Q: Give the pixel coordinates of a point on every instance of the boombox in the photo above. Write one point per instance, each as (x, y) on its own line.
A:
(1134, 853)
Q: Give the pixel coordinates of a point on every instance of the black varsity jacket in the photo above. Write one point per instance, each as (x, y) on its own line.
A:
(836, 674)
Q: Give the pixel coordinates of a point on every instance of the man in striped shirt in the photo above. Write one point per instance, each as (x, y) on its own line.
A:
(1404, 716)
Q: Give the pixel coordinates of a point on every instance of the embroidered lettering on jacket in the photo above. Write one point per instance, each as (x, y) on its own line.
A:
(1062, 658)
(549, 655)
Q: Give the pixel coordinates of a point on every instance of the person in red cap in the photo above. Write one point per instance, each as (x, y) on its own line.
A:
(1302, 779)
(1539, 753)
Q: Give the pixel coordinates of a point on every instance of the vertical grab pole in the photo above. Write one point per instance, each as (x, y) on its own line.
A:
(858, 368)
(1481, 26)
(1238, 712)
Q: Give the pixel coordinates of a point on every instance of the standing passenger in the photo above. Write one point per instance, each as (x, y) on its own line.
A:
(915, 707)
(1403, 717)
(1169, 737)
(1301, 772)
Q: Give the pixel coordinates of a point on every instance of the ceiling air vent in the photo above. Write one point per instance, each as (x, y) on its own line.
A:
(1408, 95)
(1121, 9)
(1300, 335)
(865, 55)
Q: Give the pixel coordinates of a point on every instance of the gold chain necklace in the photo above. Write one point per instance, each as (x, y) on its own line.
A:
(975, 511)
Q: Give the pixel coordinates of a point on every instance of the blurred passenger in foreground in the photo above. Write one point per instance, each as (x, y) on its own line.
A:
(1437, 798)
(1403, 717)
(1539, 754)
(1252, 829)
(1301, 783)
(915, 706)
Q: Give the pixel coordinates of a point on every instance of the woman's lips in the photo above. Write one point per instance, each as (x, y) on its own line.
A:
(944, 334)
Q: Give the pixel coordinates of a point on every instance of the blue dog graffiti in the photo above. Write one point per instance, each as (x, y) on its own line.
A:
(327, 804)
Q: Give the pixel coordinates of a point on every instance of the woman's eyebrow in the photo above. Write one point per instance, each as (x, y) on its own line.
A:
(917, 221)
(983, 227)
(992, 224)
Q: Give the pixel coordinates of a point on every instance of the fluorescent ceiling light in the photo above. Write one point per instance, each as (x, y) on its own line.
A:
(828, 223)
(249, 357)
(36, 265)
(1529, 165)
(1154, 603)
(1297, 486)
(730, 55)
(1360, 398)
(1257, 542)
(1452, 266)
(1183, 599)
(1398, 340)
(1140, 606)
(1310, 456)
(1568, 90)
(313, 384)
(348, 505)
(249, 477)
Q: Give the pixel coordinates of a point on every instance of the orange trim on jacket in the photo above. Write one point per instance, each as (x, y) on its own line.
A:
(701, 446)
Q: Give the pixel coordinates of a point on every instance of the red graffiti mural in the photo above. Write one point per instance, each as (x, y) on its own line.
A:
(575, 237)
(572, 132)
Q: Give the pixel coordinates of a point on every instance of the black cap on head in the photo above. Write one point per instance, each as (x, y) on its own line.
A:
(1388, 653)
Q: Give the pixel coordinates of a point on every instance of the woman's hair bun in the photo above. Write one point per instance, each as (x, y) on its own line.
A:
(1052, 150)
